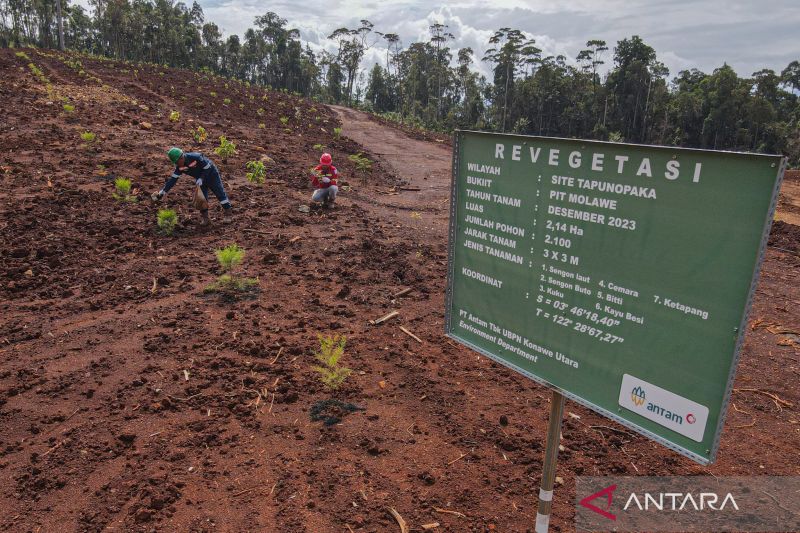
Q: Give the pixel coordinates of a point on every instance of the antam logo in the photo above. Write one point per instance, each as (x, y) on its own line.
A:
(638, 396)
(690, 418)
(608, 493)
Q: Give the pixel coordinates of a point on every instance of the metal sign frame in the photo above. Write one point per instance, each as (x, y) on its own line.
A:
(452, 239)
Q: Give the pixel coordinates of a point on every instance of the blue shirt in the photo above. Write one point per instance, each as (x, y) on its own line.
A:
(195, 164)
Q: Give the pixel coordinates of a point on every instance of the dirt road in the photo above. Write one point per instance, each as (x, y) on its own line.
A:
(423, 165)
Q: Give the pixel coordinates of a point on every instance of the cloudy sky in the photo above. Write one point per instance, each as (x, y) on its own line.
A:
(703, 34)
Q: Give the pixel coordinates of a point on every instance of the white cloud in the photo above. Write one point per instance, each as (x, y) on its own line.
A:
(699, 34)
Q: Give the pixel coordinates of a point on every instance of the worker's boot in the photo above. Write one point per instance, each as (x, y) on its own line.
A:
(204, 220)
(227, 215)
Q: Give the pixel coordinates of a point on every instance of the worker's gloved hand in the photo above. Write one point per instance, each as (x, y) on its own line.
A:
(199, 182)
(156, 196)
(326, 180)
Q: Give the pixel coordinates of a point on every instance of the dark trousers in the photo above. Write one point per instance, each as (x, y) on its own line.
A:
(213, 181)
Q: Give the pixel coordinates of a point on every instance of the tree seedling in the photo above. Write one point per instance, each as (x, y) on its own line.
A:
(319, 147)
(225, 149)
(363, 165)
(200, 135)
(229, 283)
(167, 220)
(174, 116)
(227, 101)
(122, 191)
(37, 72)
(257, 172)
(68, 108)
(331, 373)
(337, 133)
(88, 136)
(229, 257)
(284, 120)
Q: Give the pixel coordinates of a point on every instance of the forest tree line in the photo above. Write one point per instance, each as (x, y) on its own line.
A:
(429, 84)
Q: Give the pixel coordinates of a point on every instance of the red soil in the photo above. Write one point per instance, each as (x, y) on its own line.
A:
(130, 400)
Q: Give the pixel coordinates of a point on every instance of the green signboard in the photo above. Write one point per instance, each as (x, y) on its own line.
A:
(619, 274)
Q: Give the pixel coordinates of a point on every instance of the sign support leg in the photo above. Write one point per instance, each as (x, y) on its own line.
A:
(549, 467)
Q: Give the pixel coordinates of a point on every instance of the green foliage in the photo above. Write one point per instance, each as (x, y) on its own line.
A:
(229, 257)
(69, 108)
(331, 373)
(260, 111)
(88, 136)
(227, 101)
(174, 116)
(167, 220)
(319, 147)
(225, 149)
(607, 87)
(74, 64)
(229, 284)
(337, 133)
(122, 191)
(199, 135)
(262, 126)
(362, 163)
(284, 120)
(123, 186)
(37, 72)
(257, 172)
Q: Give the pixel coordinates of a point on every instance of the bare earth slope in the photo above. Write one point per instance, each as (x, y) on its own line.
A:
(132, 401)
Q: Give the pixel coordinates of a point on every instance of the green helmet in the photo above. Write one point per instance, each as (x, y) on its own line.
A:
(174, 154)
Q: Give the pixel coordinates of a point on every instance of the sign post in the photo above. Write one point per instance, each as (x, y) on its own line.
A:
(618, 275)
(549, 466)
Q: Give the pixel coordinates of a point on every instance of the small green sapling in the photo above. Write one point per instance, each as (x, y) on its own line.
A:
(167, 220)
(331, 373)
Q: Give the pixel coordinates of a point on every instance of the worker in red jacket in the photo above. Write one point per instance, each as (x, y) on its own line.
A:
(324, 181)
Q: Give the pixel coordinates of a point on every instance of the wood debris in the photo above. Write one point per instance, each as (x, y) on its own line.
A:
(402, 292)
(276, 357)
(399, 519)
(778, 401)
(446, 511)
(384, 318)
(251, 230)
(457, 459)
(407, 332)
(777, 329)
